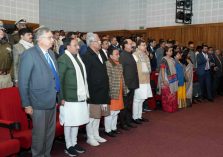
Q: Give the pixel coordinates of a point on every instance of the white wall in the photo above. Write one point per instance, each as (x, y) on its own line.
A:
(99, 15)
(18, 9)
(162, 12)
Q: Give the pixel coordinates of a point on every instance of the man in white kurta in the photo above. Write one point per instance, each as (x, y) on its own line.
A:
(73, 95)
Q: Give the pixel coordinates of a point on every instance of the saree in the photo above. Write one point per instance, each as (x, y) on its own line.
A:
(168, 93)
(189, 83)
(181, 92)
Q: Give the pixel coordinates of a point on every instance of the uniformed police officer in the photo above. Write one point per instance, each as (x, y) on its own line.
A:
(14, 38)
(5, 59)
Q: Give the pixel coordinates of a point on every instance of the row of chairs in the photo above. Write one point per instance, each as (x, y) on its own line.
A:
(15, 125)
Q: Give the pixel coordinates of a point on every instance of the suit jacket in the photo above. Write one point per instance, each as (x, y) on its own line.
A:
(103, 55)
(97, 78)
(218, 64)
(68, 79)
(193, 57)
(114, 47)
(129, 70)
(36, 80)
(153, 61)
(201, 63)
(159, 56)
(18, 49)
(14, 38)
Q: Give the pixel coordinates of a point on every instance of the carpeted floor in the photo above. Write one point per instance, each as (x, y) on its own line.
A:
(190, 132)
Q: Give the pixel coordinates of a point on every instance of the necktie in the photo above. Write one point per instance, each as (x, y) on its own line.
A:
(53, 71)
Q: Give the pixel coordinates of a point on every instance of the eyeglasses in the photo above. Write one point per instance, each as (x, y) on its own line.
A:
(51, 37)
(98, 41)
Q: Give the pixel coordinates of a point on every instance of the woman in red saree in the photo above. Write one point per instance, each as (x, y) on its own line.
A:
(167, 82)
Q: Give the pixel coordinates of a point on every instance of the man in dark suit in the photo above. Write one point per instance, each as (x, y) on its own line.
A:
(104, 50)
(98, 85)
(151, 48)
(217, 72)
(131, 80)
(203, 72)
(114, 44)
(160, 53)
(38, 86)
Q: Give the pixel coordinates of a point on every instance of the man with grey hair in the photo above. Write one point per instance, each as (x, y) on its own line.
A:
(38, 85)
(98, 85)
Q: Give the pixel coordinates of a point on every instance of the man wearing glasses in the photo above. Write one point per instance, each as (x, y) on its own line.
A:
(38, 86)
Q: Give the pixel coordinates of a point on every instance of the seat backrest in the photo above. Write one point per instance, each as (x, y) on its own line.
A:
(11, 107)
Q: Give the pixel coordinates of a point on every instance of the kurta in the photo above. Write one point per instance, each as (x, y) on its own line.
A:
(75, 113)
(143, 66)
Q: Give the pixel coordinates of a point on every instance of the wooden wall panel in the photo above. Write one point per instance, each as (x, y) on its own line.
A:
(113, 33)
(211, 34)
(194, 33)
(165, 33)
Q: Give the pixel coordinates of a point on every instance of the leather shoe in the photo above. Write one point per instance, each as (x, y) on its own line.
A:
(211, 100)
(110, 134)
(137, 121)
(124, 127)
(116, 131)
(131, 126)
(143, 120)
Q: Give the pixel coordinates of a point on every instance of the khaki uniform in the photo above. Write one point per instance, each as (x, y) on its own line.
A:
(14, 38)
(5, 65)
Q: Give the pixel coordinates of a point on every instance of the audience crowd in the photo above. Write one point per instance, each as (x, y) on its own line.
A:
(93, 78)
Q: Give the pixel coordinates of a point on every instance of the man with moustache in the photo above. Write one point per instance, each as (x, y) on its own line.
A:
(25, 42)
(132, 82)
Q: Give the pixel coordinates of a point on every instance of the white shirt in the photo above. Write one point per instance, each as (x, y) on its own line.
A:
(207, 67)
(44, 53)
(100, 58)
(105, 52)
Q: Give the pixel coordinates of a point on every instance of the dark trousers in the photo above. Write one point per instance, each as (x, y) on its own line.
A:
(205, 85)
(44, 125)
(125, 115)
(216, 85)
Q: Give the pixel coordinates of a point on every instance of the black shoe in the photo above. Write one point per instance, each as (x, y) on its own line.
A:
(211, 100)
(71, 151)
(194, 101)
(137, 121)
(198, 100)
(143, 120)
(110, 134)
(79, 149)
(131, 126)
(124, 127)
(116, 131)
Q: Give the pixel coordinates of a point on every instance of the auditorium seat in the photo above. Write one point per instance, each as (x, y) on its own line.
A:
(8, 145)
(11, 110)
